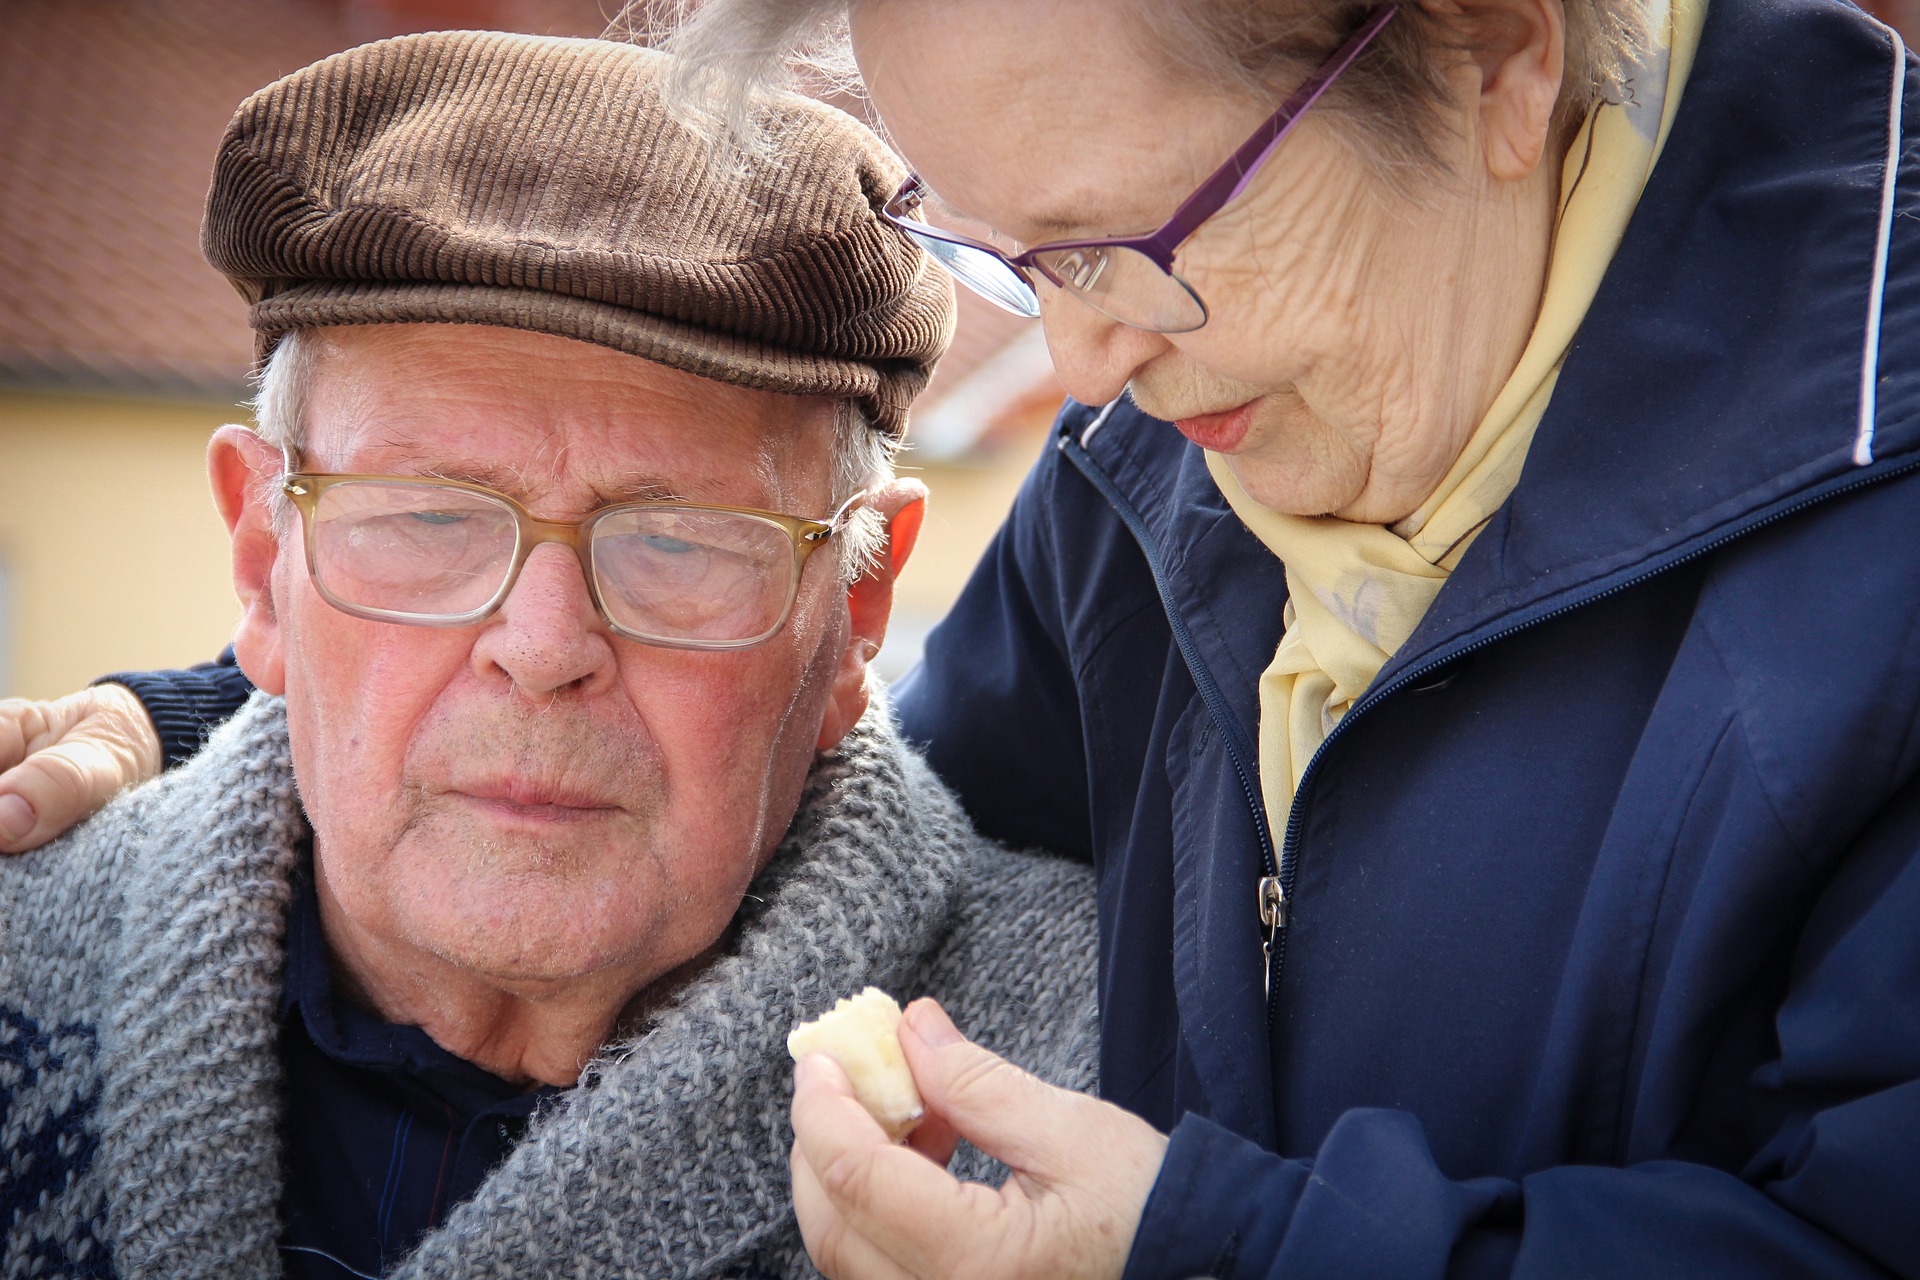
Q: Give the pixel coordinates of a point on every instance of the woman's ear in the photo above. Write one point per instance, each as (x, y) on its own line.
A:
(244, 470)
(1520, 49)
(903, 505)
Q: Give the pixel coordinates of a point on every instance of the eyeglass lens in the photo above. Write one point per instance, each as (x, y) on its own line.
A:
(1125, 284)
(426, 553)
(986, 274)
(1122, 283)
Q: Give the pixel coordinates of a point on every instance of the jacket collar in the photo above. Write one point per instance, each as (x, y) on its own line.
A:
(1716, 381)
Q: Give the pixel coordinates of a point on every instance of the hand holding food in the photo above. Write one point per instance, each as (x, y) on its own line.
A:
(861, 1033)
(1081, 1171)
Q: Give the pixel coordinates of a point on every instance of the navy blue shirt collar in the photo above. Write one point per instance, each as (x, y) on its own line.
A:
(385, 1131)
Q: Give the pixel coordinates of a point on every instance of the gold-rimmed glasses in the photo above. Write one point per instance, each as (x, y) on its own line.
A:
(427, 552)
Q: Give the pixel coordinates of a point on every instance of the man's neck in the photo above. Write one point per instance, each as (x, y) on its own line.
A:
(527, 1033)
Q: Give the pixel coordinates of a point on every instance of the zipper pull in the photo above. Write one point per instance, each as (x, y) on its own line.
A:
(1273, 918)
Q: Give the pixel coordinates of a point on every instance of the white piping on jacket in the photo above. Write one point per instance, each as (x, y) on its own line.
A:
(1870, 358)
(1100, 419)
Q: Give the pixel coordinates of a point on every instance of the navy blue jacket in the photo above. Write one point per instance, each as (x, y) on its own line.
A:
(1604, 943)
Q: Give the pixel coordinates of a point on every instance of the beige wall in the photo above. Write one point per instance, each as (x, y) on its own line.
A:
(111, 553)
(968, 503)
(965, 510)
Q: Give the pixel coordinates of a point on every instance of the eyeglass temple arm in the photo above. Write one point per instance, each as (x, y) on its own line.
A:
(1225, 186)
(832, 524)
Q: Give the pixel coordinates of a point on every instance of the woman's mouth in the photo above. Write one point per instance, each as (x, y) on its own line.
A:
(1221, 432)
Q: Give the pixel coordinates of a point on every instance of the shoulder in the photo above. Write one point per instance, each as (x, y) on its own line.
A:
(62, 906)
(1017, 966)
(1005, 940)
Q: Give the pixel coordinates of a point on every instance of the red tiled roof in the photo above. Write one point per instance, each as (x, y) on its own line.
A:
(110, 111)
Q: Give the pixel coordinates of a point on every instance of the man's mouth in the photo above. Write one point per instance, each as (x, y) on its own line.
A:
(537, 801)
(1221, 432)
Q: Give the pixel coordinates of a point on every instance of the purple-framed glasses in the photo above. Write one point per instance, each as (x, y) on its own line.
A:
(1130, 278)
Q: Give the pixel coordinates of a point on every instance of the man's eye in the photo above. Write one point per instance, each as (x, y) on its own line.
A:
(438, 517)
(670, 546)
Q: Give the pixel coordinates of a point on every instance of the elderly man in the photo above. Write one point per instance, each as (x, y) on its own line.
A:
(469, 947)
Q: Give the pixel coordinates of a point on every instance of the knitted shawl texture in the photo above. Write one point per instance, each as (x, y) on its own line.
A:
(140, 1090)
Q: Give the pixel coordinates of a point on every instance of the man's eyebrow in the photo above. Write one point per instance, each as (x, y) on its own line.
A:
(638, 487)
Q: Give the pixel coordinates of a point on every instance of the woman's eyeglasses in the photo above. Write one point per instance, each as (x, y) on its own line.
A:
(1129, 278)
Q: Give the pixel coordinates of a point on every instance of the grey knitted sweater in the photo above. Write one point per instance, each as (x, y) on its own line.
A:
(140, 1090)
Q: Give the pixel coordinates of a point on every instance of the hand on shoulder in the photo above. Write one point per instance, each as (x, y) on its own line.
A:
(61, 760)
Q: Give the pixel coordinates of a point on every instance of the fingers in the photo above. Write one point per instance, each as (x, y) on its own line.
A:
(68, 757)
(54, 789)
(934, 1138)
(872, 1208)
(1013, 1117)
(837, 1251)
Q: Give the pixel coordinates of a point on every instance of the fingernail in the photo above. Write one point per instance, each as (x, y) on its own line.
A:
(931, 1023)
(16, 817)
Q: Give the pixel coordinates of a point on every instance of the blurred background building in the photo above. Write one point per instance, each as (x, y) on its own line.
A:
(121, 350)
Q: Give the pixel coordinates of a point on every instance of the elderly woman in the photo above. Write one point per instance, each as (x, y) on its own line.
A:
(1468, 618)
(1494, 722)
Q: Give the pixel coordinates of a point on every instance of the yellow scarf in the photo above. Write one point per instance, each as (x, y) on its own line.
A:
(1357, 591)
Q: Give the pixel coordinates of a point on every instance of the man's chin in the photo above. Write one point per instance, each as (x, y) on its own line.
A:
(539, 903)
(530, 943)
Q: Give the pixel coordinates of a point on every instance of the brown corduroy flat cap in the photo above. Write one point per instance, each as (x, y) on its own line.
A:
(482, 178)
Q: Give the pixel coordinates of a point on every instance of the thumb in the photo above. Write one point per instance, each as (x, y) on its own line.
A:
(78, 752)
(1007, 1113)
(51, 791)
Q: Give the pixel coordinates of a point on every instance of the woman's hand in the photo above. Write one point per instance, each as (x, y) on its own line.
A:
(1082, 1169)
(61, 760)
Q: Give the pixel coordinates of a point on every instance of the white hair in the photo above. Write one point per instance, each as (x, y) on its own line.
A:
(731, 53)
(862, 457)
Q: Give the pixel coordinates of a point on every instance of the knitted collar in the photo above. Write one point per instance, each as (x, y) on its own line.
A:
(668, 1160)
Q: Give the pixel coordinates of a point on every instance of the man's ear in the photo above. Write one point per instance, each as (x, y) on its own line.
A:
(903, 505)
(244, 470)
(1520, 47)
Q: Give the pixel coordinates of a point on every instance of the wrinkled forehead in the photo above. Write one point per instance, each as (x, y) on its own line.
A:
(553, 421)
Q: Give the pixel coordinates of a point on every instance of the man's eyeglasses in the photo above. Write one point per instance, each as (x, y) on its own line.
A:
(1130, 278)
(444, 553)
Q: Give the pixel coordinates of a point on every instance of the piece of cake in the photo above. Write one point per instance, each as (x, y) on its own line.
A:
(861, 1033)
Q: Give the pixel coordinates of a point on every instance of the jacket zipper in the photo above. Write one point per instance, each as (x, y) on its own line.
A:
(1271, 891)
(1274, 890)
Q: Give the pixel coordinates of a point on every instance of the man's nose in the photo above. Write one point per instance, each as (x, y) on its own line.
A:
(1094, 356)
(546, 636)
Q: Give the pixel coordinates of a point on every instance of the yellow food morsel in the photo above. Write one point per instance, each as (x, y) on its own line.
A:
(861, 1033)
